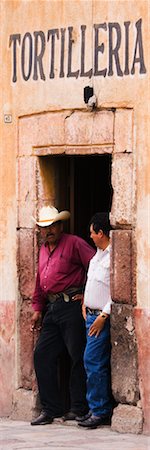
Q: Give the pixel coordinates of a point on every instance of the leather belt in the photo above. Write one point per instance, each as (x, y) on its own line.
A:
(53, 297)
(67, 295)
(93, 311)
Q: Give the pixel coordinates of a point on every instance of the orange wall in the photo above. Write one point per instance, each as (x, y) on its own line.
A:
(32, 96)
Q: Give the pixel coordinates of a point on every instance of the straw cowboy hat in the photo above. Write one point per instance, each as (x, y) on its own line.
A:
(49, 215)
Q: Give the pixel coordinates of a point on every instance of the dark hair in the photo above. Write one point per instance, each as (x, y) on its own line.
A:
(100, 221)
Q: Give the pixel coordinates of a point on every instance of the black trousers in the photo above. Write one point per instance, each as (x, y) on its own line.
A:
(63, 324)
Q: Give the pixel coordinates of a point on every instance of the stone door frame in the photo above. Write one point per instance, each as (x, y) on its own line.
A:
(74, 132)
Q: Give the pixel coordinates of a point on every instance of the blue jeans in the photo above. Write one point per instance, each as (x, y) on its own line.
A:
(97, 366)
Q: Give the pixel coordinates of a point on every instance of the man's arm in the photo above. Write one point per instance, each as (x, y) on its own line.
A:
(107, 307)
(38, 302)
(38, 299)
(99, 322)
(98, 325)
(36, 320)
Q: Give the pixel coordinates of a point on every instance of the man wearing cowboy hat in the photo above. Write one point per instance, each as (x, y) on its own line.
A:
(63, 262)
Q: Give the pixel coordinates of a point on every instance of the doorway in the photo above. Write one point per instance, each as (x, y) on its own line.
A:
(82, 185)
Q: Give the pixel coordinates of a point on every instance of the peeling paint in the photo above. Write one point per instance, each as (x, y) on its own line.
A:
(129, 325)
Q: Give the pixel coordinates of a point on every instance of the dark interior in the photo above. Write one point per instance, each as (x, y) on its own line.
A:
(83, 187)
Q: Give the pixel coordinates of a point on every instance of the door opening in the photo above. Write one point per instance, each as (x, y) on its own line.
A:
(81, 184)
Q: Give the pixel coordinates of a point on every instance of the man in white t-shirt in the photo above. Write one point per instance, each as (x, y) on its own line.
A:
(97, 304)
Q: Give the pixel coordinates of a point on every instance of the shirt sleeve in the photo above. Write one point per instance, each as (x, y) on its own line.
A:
(107, 307)
(85, 252)
(38, 299)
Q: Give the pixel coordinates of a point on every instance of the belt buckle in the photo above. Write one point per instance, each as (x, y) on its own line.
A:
(89, 310)
(95, 312)
(66, 297)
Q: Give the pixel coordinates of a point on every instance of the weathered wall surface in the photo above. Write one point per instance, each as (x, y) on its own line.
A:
(31, 91)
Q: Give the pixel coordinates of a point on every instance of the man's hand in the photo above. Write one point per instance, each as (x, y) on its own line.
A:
(97, 326)
(84, 311)
(36, 321)
(78, 297)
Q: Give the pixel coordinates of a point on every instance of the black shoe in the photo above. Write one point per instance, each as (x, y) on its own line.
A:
(74, 416)
(70, 415)
(83, 418)
(93, 422)
(43, 419)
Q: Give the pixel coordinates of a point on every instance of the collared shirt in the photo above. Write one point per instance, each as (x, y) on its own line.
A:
(61, 269)
(97, 290)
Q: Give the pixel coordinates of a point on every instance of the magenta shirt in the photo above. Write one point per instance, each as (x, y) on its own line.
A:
(61, 269)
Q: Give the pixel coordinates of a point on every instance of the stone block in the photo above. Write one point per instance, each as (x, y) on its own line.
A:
(73, 150)
(142, 325)
(49, 150)
(123, 130)
(90, 150)
(7, 354)
(134, 267)
(122, 182)
(22, 405)
(27, 134)
(103, 124)
(127, 419)
(26, 191)
(26, 345)
(26, 263)
(37, 244)
(121, 266)
(36, 405)
(124, 364)
(78, 128)
(40, 130)
(86, 128)
(51, 129)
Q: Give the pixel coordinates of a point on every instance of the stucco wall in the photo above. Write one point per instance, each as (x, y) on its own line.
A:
(29, 97)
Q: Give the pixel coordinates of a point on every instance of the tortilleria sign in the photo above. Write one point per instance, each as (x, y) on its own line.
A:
(31, 50)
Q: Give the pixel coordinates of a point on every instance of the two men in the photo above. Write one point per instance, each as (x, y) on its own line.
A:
(63, 263)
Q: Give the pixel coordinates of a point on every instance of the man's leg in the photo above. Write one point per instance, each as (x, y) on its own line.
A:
(97, 365)
(46, 355)
(74, 335)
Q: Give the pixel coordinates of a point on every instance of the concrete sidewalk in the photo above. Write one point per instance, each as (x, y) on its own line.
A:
(18, 435)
